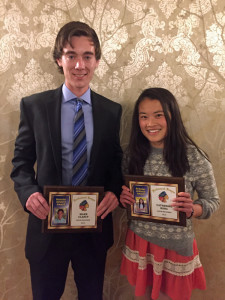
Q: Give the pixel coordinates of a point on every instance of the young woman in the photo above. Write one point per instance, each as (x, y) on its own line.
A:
(141, 204)
(162, 260)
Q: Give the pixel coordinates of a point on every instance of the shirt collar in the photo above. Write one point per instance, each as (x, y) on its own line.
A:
(68, 95)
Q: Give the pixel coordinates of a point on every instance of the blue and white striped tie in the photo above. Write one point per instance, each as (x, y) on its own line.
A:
(80, 166)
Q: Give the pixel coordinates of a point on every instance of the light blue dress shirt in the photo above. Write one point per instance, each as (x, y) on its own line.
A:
(68, 111)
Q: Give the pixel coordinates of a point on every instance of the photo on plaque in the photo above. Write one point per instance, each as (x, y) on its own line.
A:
(141, 196)
(153, 196)
(60, 210)
(72, 209)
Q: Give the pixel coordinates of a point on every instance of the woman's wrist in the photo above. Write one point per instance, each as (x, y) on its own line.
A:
(197, 210)
(192, 213)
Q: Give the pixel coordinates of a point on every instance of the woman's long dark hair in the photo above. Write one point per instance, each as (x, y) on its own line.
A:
(176, 140)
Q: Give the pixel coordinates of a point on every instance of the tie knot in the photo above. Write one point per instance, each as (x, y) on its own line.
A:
(79, 104)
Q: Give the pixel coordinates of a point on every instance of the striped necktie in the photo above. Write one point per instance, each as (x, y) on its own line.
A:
(80, 166)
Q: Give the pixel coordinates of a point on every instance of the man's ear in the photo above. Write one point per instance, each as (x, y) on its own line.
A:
(59, 62)
(97, 63)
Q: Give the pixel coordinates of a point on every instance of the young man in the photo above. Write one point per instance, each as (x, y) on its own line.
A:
(46, 138)
(60, 218)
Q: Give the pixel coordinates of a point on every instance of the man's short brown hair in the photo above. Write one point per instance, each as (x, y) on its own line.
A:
(69, 30)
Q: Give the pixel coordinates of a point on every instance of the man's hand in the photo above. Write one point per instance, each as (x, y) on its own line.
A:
(37, 205)
(108, 204)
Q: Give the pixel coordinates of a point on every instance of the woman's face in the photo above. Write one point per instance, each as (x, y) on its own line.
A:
(152, 122)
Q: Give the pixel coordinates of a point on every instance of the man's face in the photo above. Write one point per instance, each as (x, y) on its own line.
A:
(79, 63)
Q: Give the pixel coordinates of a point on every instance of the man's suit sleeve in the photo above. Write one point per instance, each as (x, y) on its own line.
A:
(23, 173)
(116, 172)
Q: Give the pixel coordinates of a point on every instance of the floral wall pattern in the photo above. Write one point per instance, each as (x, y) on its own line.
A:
(179, 45)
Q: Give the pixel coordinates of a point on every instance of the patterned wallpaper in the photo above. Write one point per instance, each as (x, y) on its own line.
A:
(179, 45)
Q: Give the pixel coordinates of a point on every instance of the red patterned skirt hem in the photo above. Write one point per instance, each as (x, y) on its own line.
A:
(146, 264)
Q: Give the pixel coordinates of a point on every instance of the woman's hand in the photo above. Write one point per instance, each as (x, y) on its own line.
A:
(126, 196)
(183, 203)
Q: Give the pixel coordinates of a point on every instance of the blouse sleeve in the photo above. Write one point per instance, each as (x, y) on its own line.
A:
(203, 182)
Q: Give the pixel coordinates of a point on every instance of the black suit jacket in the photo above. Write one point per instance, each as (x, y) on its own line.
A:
(38, 159)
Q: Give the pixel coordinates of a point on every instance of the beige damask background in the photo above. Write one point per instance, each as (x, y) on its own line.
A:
(179, 45)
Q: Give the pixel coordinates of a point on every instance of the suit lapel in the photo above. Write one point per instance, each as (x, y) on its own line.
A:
(53, 108)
